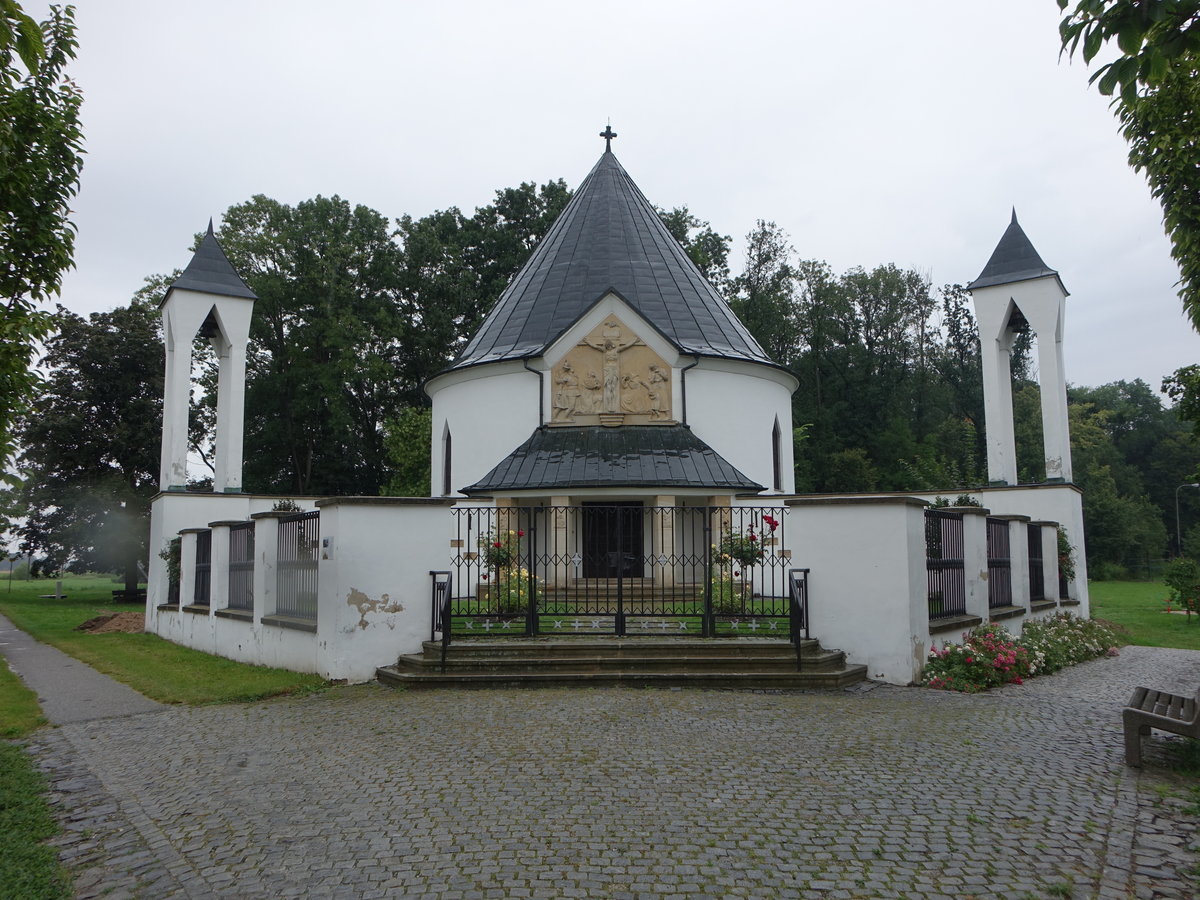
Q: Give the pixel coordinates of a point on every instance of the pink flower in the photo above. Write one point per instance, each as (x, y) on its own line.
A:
(970, 660)
(520, 534)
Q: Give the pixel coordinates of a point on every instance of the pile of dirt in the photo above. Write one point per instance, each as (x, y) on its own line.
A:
(107, 622)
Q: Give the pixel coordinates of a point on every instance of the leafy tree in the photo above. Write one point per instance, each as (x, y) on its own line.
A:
(454, 268)
(324, 344)
(764, 295)
(1156, 82)
(408, 443)
(91, 442)
(40, 160)
(707, 249)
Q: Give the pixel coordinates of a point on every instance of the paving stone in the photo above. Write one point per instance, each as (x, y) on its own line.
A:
(881, 793)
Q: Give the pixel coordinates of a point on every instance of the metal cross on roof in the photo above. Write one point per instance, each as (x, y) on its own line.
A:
(608, 134)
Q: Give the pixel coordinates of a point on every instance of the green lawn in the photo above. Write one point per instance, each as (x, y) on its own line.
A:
(1139, 608)
(159, 669)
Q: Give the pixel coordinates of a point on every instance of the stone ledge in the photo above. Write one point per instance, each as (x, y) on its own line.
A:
(168, 607)
(1067, 601)
(1006, 612)
(241, 615)
(293, 622)
(1039, 605)
(199, 609)
(954, 623)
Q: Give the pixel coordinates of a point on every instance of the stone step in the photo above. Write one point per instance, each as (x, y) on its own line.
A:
(615, 647)
(819, 661)
(845, 677)
(728, 662)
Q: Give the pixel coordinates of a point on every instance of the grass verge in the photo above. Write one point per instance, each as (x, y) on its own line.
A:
(28, 868)
(1139, 609)
(157, 668)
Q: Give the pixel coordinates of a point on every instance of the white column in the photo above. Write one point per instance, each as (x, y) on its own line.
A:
(187, 566)
(233, 315)
(218, 579)
(663, 539)
(1051, 378)
(996, 359)
(974, 520)
(266, 557)
(177, 388)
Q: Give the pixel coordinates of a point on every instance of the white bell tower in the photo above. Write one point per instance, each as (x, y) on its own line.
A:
(1017, 289)
(210, 299)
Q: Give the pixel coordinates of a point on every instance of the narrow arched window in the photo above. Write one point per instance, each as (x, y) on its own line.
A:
(447, 462)
(776, 457)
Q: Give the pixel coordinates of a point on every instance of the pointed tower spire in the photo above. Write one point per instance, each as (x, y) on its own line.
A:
(210, 272)
(1014, 259)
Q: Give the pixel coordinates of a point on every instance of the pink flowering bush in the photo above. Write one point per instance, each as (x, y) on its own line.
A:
(989, 656)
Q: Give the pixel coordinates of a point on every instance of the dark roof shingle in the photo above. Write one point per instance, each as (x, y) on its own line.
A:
(641, 456)
(210, 272)
(1014, 259)
(609, 238)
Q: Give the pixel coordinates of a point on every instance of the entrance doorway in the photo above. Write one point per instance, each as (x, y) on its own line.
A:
(613, 535)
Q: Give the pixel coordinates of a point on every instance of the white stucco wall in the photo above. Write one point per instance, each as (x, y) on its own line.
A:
(490, 409)
(732, 407)
(374, 582)
(867, 590)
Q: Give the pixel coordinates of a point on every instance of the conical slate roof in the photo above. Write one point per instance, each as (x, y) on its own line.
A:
(210, 272)
(609, 238)
(1014, 259)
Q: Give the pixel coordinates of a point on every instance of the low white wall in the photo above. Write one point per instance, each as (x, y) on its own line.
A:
(374, 585)
(867, 589)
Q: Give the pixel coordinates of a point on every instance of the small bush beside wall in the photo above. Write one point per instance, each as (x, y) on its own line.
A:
(990, 655)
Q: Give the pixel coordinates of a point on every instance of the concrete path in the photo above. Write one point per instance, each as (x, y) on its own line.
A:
(68, 690)
(365, 792)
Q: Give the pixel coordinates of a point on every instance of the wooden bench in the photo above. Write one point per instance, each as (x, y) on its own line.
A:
(1157, 709)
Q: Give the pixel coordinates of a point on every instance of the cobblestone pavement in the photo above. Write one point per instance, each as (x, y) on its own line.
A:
(873, 792)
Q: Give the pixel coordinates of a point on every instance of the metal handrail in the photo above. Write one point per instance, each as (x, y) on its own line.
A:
(798, 609)
(442, 612)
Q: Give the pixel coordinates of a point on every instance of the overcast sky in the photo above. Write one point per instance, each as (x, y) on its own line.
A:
(872, 132)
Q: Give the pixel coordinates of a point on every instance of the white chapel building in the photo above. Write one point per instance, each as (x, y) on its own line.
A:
(611, 461)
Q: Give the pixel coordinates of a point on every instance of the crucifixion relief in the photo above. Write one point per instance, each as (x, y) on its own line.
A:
(611, 377)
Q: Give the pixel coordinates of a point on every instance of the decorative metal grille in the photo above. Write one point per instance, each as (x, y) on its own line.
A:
(999, 553)
(1037, 570)
(200, 596)
(241, 566)
(944, 563)
(620, 569)
(296, 570)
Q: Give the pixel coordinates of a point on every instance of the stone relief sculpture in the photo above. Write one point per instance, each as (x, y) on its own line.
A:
(566, 394)
(626, 381)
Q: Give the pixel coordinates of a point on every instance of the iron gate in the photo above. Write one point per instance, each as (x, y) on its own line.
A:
(944, 563)
(241, 566)
(296, 567)
(620, 569)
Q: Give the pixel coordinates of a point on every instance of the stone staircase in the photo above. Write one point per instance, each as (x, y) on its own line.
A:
(642, 661)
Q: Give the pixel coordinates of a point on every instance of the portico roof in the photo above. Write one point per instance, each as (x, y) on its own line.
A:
(632, 456)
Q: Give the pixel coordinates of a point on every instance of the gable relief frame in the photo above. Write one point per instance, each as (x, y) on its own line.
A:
(604, 371)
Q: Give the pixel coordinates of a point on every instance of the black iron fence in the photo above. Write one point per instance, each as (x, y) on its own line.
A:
(201, 594)
(1037, 570)
(620, 569)
(296, 569)
(241, 566)
(999, 560)
(944, 564)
